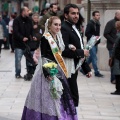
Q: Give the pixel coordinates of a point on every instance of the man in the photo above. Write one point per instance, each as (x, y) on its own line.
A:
(52, 12)
(3, 32)
(71, 35)
(93, 28)
(110, 34)
(22, 31)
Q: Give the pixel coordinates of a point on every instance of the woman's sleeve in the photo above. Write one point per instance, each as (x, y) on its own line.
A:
(44, 46)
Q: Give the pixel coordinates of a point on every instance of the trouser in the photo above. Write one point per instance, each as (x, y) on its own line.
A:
(18, 56)
(11, 41)
(74, 88)
(112, 77)
(1, 41)
(93, 59)
(117, 77)
(30, 67)
(6, 43)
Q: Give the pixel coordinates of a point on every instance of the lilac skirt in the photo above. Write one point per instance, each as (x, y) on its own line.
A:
(40, 105)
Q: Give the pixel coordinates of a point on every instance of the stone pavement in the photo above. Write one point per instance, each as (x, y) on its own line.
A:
(96, 103)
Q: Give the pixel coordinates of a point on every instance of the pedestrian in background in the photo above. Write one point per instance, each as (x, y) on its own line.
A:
(110, 34)
(33, 44)
(52, 12)
(93, 29)
(6, 19)
(22, 33)
(116, 58)
(10, 30)
(3, 32)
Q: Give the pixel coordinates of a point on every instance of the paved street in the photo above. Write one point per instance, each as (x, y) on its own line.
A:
(96, 103)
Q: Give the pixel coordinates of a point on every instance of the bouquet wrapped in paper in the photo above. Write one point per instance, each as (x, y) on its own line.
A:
(55, 85)
(93, 40)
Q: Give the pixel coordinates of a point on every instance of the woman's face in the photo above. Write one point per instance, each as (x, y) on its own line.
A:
(35, 19)
(55, 26)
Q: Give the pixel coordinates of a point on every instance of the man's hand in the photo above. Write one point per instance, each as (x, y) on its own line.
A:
(34, 38)
(86, 53)
(72, 47)
(89, 74)
(25, 39)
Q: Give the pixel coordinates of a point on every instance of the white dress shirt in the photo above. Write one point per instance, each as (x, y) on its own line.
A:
(76, 30)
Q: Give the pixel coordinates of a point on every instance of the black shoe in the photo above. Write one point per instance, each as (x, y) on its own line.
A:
(28, 77)
(115, 93)
(99, 75)
(18, 76)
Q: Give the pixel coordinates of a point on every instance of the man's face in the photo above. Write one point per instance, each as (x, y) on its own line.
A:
(73, 15)
(26, 12)
(54, 9)
(97, 16)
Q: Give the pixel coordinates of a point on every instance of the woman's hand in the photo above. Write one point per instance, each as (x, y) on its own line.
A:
(49, 78)
(36, 55)
(35, 26)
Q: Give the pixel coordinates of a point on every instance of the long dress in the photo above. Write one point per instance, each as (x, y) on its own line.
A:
(39, 104)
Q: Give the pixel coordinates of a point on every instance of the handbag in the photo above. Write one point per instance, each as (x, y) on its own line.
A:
(111, 62)
(28, 55)
(33, 44)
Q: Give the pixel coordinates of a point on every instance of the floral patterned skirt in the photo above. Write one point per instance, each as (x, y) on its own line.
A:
(40, 105)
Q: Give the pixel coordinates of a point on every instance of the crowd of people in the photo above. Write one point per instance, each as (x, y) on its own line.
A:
(57, 37)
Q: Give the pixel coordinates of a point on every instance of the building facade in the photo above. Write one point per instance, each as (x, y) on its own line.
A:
(107, 10)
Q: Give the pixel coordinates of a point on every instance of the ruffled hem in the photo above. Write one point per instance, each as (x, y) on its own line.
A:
(33, 115)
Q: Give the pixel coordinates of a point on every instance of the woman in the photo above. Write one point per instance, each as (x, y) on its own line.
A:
(3, 32)
(33, 44)
(116, 56)
(36, 27)
(10, 28)
(39, 103)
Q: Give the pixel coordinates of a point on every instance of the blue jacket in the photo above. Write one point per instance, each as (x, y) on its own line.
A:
(2, 22)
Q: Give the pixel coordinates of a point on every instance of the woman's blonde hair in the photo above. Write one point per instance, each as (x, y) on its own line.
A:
(117, 25)
(50, 21)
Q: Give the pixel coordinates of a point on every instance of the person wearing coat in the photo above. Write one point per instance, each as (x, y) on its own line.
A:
(22, 32)
(3, 32)
(93, 29)
(116, 57)
(52, 12)
(71, 35)
(110, 34)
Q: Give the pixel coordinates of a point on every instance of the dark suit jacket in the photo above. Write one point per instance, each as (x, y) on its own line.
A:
(70, 37)
(110, 33)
